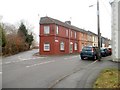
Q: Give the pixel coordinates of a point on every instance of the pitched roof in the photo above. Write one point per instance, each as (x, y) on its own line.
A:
(48, 20)
(89, 32)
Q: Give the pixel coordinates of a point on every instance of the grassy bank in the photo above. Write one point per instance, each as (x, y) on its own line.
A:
(109, 78)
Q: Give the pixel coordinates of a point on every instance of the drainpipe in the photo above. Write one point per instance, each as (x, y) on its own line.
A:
(69, 40)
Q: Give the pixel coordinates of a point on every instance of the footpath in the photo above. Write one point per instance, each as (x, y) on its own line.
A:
(86, 76)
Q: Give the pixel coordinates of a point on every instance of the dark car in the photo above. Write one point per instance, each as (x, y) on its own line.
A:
(110, 51)
(104, 52)
(89, 52)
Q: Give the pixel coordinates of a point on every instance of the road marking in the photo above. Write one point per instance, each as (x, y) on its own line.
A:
(22, 59)
(61, 78)
(66, 58)
(71, 57)
(91, 63)
(40, 63)
(7, 62)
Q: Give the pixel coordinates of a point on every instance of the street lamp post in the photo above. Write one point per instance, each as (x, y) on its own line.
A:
(98, 23)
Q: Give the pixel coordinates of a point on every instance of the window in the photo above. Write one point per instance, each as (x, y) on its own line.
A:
(71, 33)
(46, 46)
(67, 33)
(46, 30)
(62, 46)
(57, 30)
(75, 35)
(82, 36)
(88, 38)
(75, 46)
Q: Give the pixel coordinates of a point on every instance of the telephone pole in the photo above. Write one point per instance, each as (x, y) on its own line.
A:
(98, 23)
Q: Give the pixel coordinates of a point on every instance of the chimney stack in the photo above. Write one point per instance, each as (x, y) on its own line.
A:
(68, 22)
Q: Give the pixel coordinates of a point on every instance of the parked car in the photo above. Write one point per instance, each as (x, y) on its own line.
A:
(89, 52)
(104, 52)
(110, 51)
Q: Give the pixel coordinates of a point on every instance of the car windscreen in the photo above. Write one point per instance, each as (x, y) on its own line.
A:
(87, 49)
(102, 49)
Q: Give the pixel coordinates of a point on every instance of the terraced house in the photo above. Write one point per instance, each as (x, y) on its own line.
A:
(58, 37)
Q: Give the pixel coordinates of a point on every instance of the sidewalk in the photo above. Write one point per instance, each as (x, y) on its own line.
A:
(86, 76)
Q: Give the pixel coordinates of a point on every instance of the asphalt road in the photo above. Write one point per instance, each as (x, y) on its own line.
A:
(24, 70)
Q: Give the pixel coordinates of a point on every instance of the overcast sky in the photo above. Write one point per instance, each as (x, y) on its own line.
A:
(78, 11)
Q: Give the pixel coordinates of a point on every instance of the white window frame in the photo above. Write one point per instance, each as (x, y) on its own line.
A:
(46, 29)
(62, 45)
(67, 33)
(46, 46)
(57, 29)
(75, 46)
(75, 35)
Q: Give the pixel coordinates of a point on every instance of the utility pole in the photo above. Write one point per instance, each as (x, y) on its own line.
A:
(98, 23)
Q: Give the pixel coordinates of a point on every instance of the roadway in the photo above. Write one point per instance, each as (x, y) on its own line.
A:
(24, 70)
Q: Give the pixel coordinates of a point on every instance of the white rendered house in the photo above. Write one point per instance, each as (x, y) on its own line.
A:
(116, 30)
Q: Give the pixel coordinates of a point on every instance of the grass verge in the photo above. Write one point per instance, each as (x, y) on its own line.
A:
(109, 78)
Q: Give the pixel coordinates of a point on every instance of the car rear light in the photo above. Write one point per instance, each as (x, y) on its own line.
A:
(92, 50)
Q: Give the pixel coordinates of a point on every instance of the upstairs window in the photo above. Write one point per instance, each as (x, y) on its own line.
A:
(62, 46)
(57, 30)
(46, 30)
(46, 46)
(75, 35)
(67, 33)
(82, 36)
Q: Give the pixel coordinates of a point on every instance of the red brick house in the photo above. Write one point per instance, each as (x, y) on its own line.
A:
(58, 37)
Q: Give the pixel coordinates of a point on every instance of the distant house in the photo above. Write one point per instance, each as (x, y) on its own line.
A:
(58, 37)
(94, 38)
(105, 42)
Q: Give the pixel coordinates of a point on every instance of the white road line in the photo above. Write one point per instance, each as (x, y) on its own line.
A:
(91, 63)
(7, 62)
(66, 58)
(22, 59)
(40, 63)
(71, 57)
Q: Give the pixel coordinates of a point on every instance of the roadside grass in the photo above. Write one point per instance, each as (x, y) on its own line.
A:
(109, 78)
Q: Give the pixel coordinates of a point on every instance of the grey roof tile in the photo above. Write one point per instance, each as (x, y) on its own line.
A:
(48, 20)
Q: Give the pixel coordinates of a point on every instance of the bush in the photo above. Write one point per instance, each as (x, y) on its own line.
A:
(15, 40)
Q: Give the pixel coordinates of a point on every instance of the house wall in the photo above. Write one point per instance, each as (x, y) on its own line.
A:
(82, 39)
(55, 39)
(119, 30)
(115, 30)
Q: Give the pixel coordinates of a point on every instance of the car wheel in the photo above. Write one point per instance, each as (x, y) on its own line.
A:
(82, 58)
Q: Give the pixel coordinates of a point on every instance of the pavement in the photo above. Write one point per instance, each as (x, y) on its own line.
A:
(24, 70)
(87, 75)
